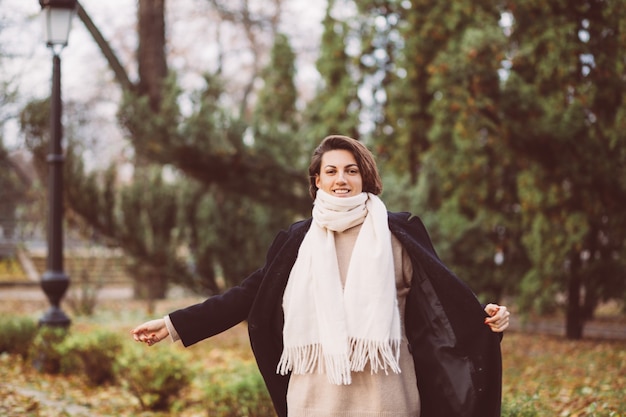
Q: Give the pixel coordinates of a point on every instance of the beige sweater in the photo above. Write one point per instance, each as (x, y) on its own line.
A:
(369, 395)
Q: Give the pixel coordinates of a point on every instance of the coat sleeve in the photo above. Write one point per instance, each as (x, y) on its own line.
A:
(221, 312)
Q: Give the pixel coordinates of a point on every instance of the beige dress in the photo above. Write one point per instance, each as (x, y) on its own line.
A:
(369, 395)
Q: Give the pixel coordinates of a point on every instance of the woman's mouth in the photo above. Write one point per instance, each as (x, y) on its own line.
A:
(342, 191)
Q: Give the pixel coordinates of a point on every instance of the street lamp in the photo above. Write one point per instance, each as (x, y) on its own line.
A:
(57, 18)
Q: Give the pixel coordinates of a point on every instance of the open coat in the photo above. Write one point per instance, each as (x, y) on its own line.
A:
(457, 357)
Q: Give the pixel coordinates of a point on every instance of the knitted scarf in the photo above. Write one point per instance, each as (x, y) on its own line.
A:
(333, 330)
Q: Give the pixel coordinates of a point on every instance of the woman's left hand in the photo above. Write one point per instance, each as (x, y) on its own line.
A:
(498, 319)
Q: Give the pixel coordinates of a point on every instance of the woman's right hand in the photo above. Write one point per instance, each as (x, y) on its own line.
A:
(150, 332)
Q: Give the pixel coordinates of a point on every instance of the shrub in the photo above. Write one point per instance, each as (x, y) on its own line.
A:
(96, 352)
(17, 334)
(154, 375)
(83, 294)
(237, 391)
(47, 351)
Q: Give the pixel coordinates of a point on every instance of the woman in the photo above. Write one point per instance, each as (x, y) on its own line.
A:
(353, 313)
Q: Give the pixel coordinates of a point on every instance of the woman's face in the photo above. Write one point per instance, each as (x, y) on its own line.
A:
(339, 174)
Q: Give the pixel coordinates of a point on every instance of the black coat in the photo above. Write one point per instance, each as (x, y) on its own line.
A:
(457, 357)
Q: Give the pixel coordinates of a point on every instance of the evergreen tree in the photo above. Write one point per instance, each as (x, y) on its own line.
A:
(401, 42)
(14, 193)
(276, 119)
(564, 109)
(336, 106)
(440, 131)
(227, 198)
(467, 189)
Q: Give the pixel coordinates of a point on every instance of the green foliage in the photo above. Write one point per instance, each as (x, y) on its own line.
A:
(561, 105)
(83, 295)
(198, 198)
(520, 407)
(47, 350)
(155, 377)
(13, 193)
(208, 146)
(35, 125)
(274, 129)
(237, 390)
(16, 334)
(336, 105)
(467, 180)
(96, 352)
(222, 231)
(276, 107)
(514, 135)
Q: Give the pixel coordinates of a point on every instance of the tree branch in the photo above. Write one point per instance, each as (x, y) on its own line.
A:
(121, 75)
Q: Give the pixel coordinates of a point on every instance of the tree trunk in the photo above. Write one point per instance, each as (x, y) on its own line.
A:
(151, 49)
(574, 319)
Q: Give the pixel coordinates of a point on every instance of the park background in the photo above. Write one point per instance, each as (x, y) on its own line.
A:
(188, 132)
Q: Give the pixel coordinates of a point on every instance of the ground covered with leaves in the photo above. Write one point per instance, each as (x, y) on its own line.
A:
(543, 375)
(551, 376)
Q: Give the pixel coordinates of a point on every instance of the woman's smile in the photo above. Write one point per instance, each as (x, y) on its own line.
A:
(339, 174)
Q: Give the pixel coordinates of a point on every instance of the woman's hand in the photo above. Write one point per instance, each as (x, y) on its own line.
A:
(498, 319)
(150, 332)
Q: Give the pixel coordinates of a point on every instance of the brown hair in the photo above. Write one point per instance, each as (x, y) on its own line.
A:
(364, 159)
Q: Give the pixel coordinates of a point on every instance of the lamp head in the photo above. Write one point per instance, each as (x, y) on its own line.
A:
(57, 20)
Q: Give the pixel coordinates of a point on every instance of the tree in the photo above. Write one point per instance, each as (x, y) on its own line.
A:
(211, 201)
(13, 186)
(12, 181)
(336, 106)
(467, 188)
(275, 118)
(401, 42)
(536, 155)
(564, 106)
(439, 130)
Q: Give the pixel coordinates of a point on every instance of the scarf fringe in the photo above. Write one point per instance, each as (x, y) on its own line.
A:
(300, 360)
(382, 356)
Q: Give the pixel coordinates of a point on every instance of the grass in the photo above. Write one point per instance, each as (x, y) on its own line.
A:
(543, 375)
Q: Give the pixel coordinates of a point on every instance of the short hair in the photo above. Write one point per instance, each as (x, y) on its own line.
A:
(364, 159)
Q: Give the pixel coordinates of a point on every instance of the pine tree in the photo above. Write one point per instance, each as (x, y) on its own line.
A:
(467, 186)
(336, 106)
(564, 107)
(276, 119)
(401, 42)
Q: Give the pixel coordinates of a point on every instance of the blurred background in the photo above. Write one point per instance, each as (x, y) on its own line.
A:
(188, 127)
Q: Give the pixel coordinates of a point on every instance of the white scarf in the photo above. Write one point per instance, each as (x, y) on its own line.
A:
(333, 330)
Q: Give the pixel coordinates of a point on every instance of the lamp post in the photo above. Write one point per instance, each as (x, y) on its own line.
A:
(57, 17)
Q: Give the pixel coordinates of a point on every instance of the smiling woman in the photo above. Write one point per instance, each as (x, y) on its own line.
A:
(354, 313)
